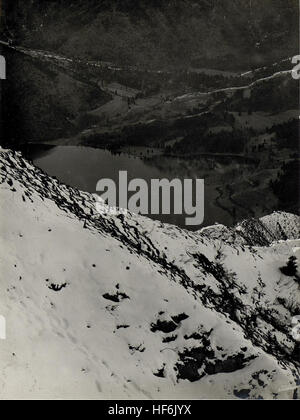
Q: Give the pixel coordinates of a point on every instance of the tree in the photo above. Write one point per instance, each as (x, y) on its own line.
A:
(290, 269)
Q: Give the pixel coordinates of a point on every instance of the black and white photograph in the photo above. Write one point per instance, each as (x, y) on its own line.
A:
(149, 202)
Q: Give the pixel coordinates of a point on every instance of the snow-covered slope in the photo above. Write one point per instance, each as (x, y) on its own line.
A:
(102, 306)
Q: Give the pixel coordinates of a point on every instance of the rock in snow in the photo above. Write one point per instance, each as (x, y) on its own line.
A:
(103, 306)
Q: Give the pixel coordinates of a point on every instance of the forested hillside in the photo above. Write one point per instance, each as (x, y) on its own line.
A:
(155, 33)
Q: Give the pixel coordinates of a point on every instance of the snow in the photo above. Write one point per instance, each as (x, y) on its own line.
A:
(98, 305)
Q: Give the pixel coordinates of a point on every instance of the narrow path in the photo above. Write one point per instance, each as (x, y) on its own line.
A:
(49, 55)
(236, 88)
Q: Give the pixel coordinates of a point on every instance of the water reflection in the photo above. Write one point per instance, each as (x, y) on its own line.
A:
(82, 167)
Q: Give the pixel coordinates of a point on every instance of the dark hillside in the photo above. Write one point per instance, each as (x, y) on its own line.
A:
(217, 33)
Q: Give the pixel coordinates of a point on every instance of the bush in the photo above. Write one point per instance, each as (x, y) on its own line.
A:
(290, 269)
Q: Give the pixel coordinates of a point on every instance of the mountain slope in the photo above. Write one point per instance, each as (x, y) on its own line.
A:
(161, 33)
(103, 306)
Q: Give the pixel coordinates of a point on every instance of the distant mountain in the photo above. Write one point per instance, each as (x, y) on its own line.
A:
(205, 314)
(217, 33)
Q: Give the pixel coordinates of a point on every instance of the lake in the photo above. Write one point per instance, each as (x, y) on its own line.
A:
(82, 167)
